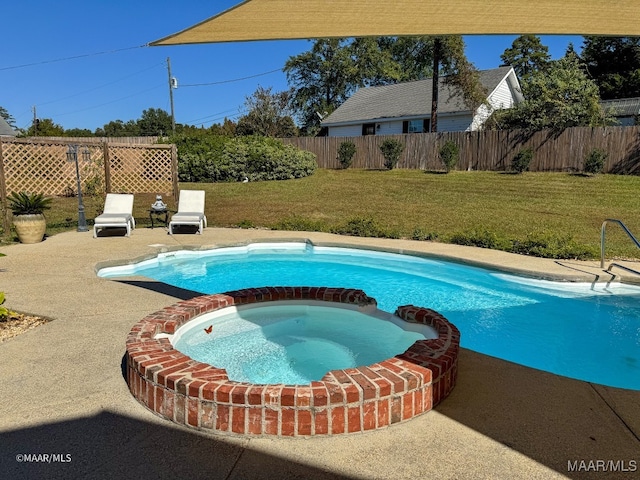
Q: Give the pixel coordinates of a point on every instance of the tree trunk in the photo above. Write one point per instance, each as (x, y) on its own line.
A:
(437, 48)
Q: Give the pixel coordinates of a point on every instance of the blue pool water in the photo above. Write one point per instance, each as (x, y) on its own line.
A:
(577, 330)
(291, 344)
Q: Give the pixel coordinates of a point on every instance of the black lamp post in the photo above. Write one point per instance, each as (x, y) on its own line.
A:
(72, 156)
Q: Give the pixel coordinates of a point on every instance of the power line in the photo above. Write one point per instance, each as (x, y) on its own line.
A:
(212, 115)
(24, 65)
(232, 80)
(108, 103)
(218, 116)
(215, 120)
(101, 86)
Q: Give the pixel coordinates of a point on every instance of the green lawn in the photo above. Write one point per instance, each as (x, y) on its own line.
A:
(413, 204)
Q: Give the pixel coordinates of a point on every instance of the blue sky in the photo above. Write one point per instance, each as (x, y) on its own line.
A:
(115, 77)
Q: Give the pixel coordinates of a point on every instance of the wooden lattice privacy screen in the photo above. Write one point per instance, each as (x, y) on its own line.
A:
(42, 166)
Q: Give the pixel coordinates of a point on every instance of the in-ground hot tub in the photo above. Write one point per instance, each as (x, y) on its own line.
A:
(344, 400)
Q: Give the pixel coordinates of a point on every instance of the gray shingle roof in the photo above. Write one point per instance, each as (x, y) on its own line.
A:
(622, 107)
(405, 100)
(5, 128)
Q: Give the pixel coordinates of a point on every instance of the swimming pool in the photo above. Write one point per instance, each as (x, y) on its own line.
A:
(579, 330)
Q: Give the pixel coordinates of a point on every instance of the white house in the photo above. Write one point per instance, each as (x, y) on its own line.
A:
(406, 107)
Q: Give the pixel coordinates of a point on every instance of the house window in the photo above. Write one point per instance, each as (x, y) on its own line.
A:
(368, 129)
(420, 125)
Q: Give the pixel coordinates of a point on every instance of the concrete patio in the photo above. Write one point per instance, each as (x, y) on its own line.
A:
(63, 391)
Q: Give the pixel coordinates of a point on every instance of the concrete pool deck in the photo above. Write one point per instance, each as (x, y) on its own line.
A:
(63, 391)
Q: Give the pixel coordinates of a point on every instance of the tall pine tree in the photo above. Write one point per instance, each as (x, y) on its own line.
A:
(614, 64)
(527, 56)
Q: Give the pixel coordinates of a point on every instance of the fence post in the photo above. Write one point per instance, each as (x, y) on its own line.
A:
(107, 167)
(3, 194)
(174, 171)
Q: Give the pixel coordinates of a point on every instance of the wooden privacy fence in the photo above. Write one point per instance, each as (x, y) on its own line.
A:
(490, 150)
(120, 140)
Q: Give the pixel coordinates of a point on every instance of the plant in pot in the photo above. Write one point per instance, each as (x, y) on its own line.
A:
(28, 218)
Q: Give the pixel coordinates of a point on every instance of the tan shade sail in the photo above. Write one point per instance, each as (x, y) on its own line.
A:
(298, 19)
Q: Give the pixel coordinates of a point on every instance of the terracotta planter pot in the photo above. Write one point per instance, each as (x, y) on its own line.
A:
(30, 228)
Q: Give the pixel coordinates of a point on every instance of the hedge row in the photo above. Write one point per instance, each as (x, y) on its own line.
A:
(236, 159)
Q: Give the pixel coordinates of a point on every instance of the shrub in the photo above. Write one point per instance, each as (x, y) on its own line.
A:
(245, 224)
(420, 234)
(194, 167)
(270, 159)
(234, 159)
(449, 154)
(522, 160)
(547, 245)
(346, 151)
(299, 223)
(94, 175)
(594, 161)
(391, 150)
(479, 238)
(540, 244)
(360, 227)
(4, 311)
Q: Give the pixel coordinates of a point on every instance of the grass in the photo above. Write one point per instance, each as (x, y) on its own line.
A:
(478, 207)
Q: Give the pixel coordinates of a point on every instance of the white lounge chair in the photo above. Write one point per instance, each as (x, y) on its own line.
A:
(118, 212)
(190, 210)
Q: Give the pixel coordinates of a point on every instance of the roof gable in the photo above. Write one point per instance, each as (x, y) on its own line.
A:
(5, 128)
(409, 99)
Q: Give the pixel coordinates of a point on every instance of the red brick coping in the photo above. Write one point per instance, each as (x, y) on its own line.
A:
(199, 395)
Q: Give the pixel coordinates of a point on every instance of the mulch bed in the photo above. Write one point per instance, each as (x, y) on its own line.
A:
(17, 323)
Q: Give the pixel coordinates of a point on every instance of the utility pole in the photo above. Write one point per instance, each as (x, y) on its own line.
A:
(35, 122)
(172, 84)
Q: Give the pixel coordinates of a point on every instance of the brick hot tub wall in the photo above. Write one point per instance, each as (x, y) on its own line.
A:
(192, 393)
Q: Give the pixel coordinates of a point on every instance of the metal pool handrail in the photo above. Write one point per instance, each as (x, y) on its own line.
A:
(602, 240)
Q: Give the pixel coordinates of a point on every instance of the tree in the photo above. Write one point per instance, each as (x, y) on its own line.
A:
(527, 56)
(559, 98)
(435, 83)
(8, 117)
(154, 122)
(614, 64)
(45, 127)
(324, 77)
(374, 61)
(78, 132)
(269, 114)
(448, 55)
(571, 51)
(227, 129)
(413, 56)
(117, 128)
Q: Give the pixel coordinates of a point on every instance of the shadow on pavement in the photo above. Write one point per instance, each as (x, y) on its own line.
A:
(112, 446)
(551, 419)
